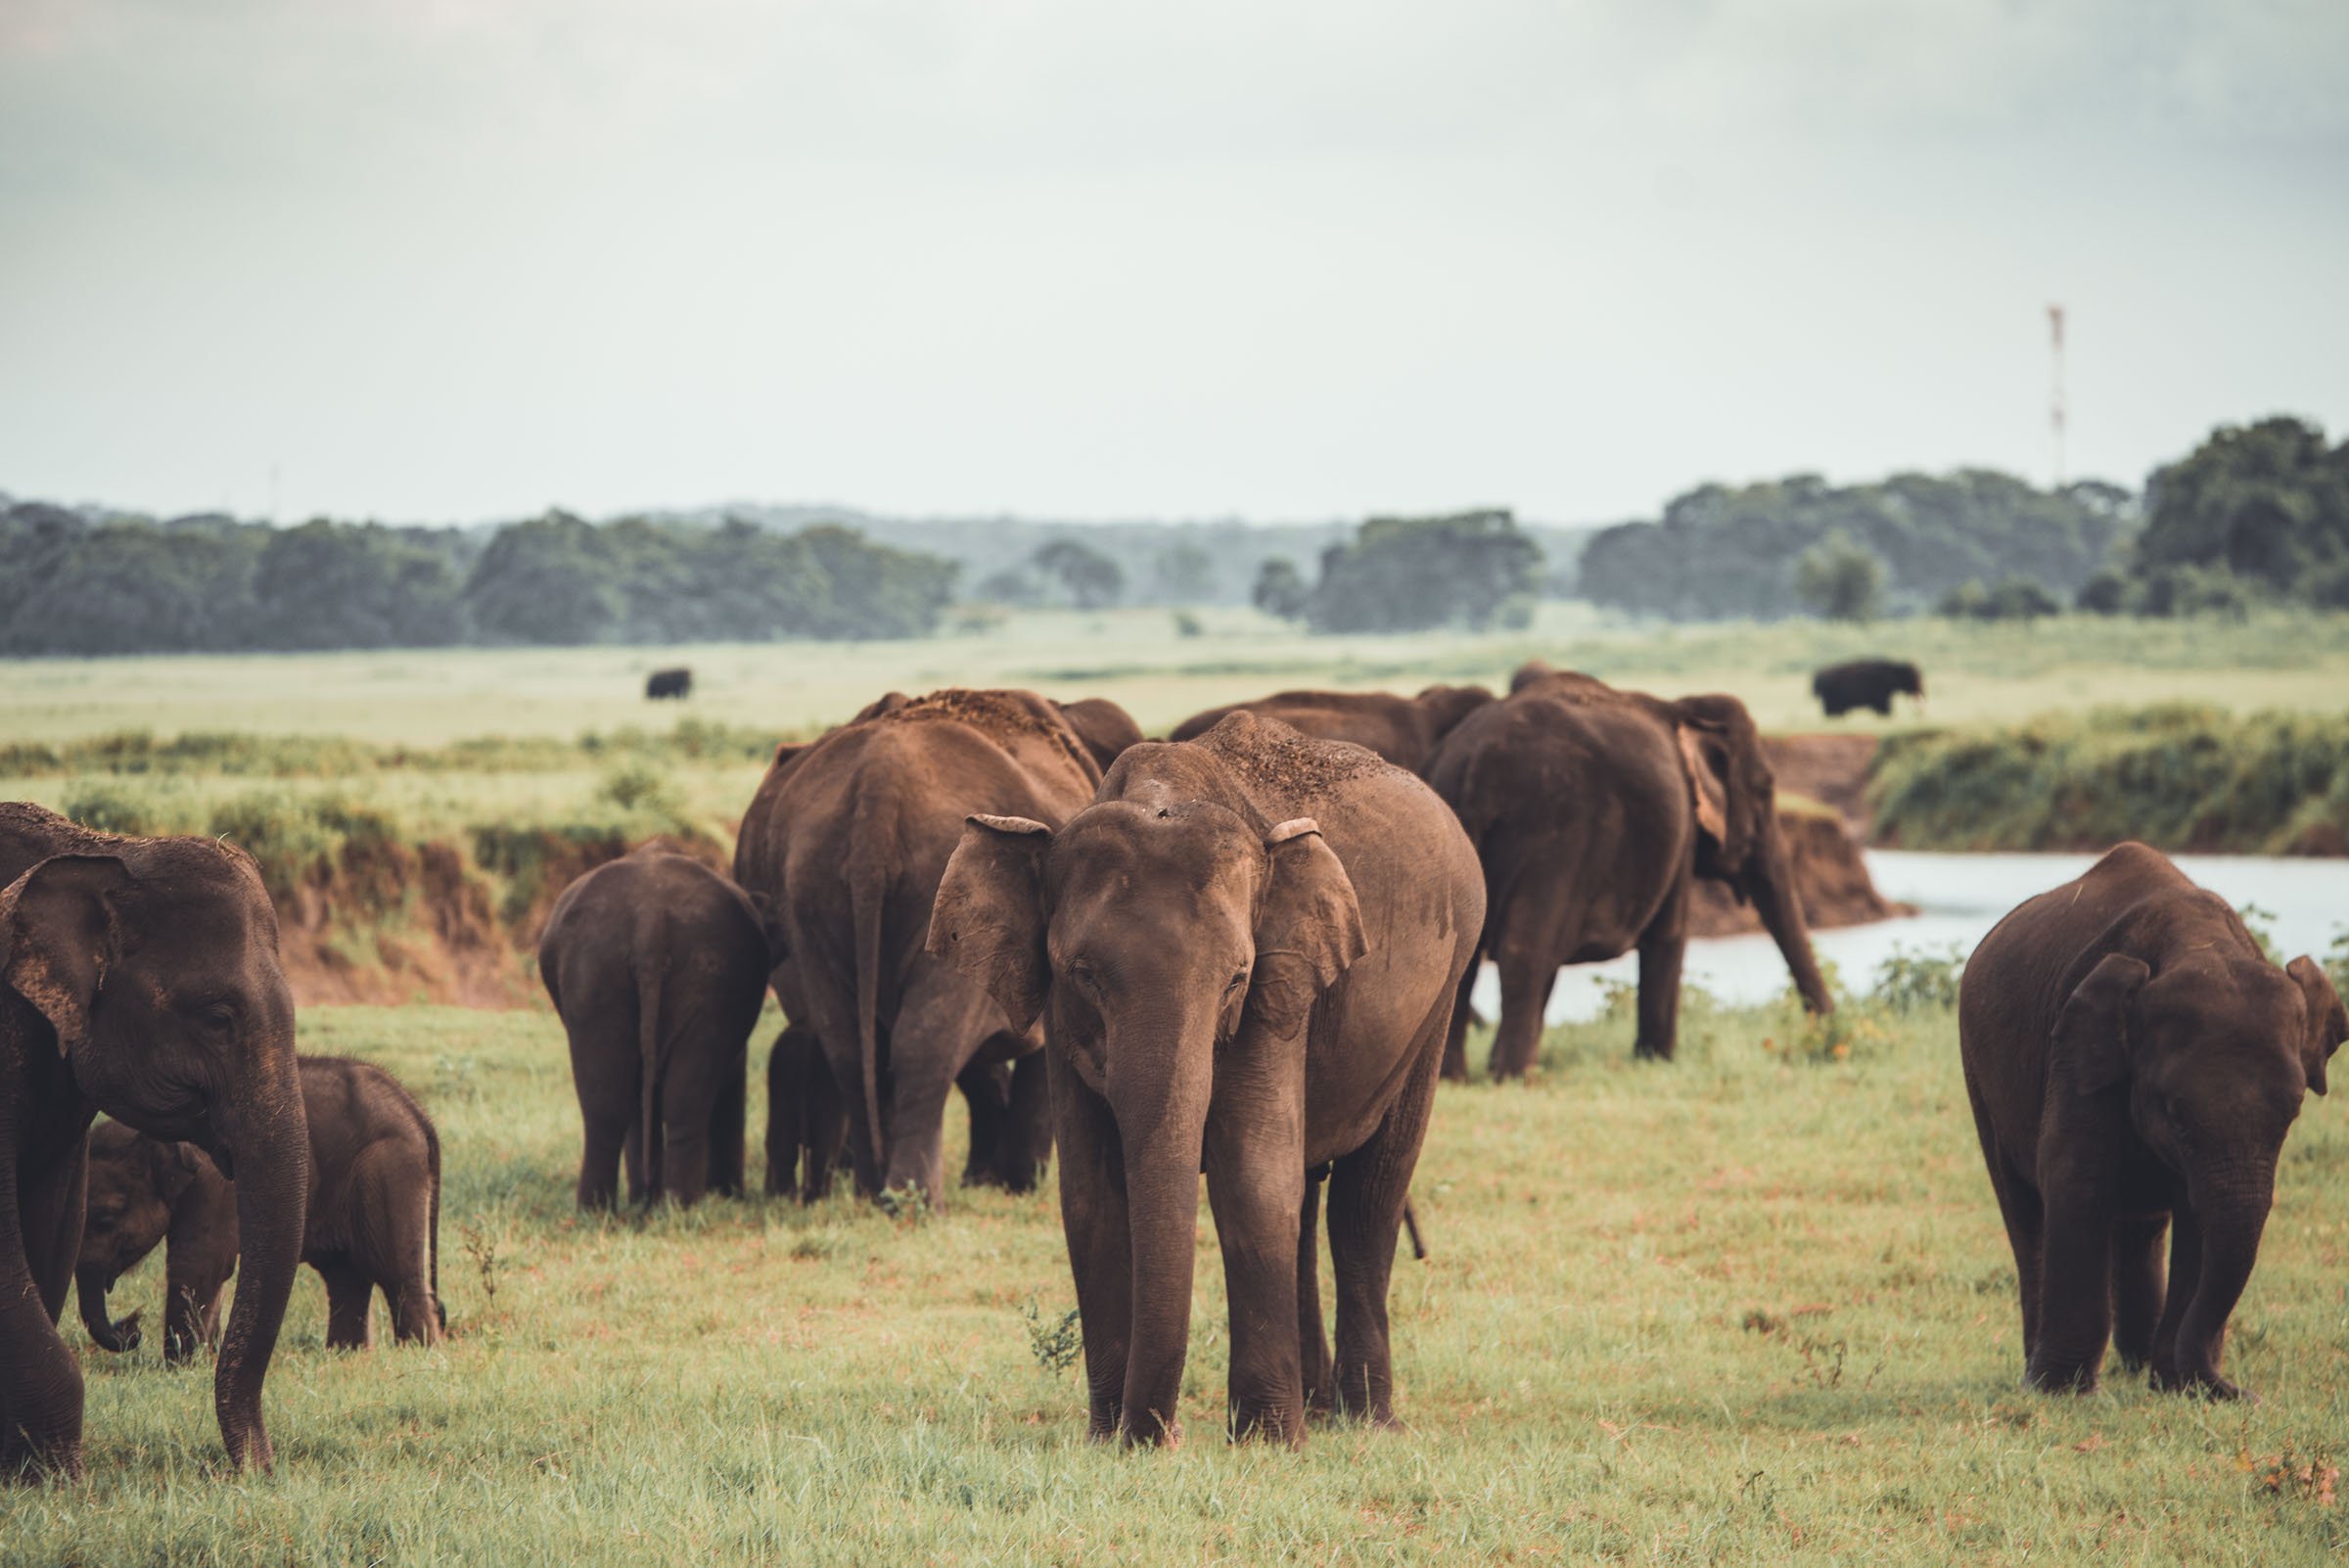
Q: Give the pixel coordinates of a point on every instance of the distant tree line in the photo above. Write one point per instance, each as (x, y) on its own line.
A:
(1407, 574)
(73, 584)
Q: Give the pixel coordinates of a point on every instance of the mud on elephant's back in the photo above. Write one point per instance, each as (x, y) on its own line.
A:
(1830, 875)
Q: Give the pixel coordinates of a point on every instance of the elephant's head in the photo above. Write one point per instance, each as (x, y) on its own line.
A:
(164, 995)
(1153, 933)
(2217, 1054)
(128, 1212)
(1738, 837)
(1911, 679)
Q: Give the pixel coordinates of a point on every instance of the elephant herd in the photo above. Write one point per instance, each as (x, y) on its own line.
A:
(1244, 953)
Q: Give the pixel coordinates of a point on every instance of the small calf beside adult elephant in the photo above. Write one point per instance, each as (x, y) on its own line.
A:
(1246, 947)
(1593, 811)
(1405, 730)
(658, 967)
(138, 977)
(374, 1220)
(2134, 1063)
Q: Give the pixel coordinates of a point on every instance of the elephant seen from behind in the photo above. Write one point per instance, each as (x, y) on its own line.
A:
(1246, 947)
(1405, 730)
(2134, 1061)
(374, 1217)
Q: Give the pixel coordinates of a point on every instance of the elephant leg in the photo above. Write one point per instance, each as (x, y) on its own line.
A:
(1027, 1143)
(398, 1196)
(2019, 1207)
(727, 1116)
(2075, 1302)
(192, 1286)
(1663, 945)
(639, 1162)
(987, 1092)
(599, 1165)
(1256, 1185)
(40, 1383)
(1312, 1344)
(349, 1294)
(1099, 1230)
(939, 1027)
(1526, 981)
(1456, 1037)
(2186, 1274)
(1368, 1191)
(2138, 1279)
(826, 1137)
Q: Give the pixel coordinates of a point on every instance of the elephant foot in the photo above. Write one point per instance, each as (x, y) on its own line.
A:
(2203, 1385)
(2078, 1380)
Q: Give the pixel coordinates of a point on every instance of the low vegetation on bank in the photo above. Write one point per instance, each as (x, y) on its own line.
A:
(1753, 1306)
(2178, 776)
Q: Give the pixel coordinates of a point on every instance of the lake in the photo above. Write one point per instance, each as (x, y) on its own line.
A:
(1959, 898)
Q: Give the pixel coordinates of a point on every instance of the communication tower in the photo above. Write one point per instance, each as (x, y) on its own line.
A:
(2055, 404)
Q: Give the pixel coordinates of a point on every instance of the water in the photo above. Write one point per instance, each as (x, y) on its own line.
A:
(1959, 898)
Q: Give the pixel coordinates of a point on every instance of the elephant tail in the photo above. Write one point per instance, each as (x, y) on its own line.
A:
(648, 1047)
(432, 1235)
(867, 891)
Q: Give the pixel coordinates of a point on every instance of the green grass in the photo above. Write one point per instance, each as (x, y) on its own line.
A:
(1750, 1306)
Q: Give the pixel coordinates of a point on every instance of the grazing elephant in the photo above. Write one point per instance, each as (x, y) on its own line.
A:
(658, 967)
(1405, 730)
(374, 1217)
(1866, 683)
(138, 977)
(1593, 811)
(848, 837)
(1247, 948)
(2134, 1064)
(677, 682)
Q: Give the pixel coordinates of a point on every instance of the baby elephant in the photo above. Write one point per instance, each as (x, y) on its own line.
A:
(2134, 1064)
(374, 1216)
(658, 967)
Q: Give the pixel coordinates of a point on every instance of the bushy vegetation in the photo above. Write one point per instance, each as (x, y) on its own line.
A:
(1720, 551)
(2177, 776)
(75, 583)
(2260, 510)
(1475, 570)
(1752, 1306)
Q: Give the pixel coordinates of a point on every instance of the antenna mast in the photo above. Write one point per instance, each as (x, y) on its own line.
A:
(2056, 403)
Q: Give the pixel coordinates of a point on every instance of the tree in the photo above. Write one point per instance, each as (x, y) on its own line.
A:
(1280, 589)
(1404, 573)
(327, 584)
(1839, 580)
(1093, 580)
(550, 580)
(2269, 502)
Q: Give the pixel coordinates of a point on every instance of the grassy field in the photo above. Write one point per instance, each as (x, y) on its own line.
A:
(1975, 672)
(1751, 1306)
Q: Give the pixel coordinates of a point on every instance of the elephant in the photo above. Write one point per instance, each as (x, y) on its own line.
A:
(139, 977)
(1405, 730)
(847, 836)
(1247, 948)
(658, 968)
(677, 682)
(1593, 812)
(374, 1217)
(2134, 1063)
(1866, 683)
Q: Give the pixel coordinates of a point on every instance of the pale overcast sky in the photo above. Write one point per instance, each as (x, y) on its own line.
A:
(451, 259)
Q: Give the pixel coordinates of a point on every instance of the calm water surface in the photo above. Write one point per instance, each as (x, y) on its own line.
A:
(1959, 898)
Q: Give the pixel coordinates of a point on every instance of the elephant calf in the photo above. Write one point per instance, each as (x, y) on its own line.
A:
(374, 1217)
(2134, 1063)
(658, 967)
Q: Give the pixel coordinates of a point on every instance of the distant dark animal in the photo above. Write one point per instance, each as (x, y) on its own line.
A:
(1866, 683)
(677, 682)
(2134, 1061)
(1594, 811)
(138, 977)
(374, 1217)
(658, 967)
(1402, 730)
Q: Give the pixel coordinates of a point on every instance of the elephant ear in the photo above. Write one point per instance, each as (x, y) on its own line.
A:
(989, 920)
(2328, 1020)
(58, 934)
(1734, 793)
(1308, 927)
(2091, 1031)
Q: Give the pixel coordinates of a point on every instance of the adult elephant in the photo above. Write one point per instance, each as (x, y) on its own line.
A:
(2134, 1063)
(1405, 730)
(658, 967)
(1593, 811)
(1246, 947)
(848, 838)
(1866, 683)
(138, 977)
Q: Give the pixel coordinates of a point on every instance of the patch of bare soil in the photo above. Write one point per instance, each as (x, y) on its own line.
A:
(1829, 873)
(1831, 769)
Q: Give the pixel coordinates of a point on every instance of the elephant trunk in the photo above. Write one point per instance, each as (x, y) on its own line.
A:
(90, 1284)
(2231, 1212)
(267, 1135)
(1769, 883)
(1161, 1101)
